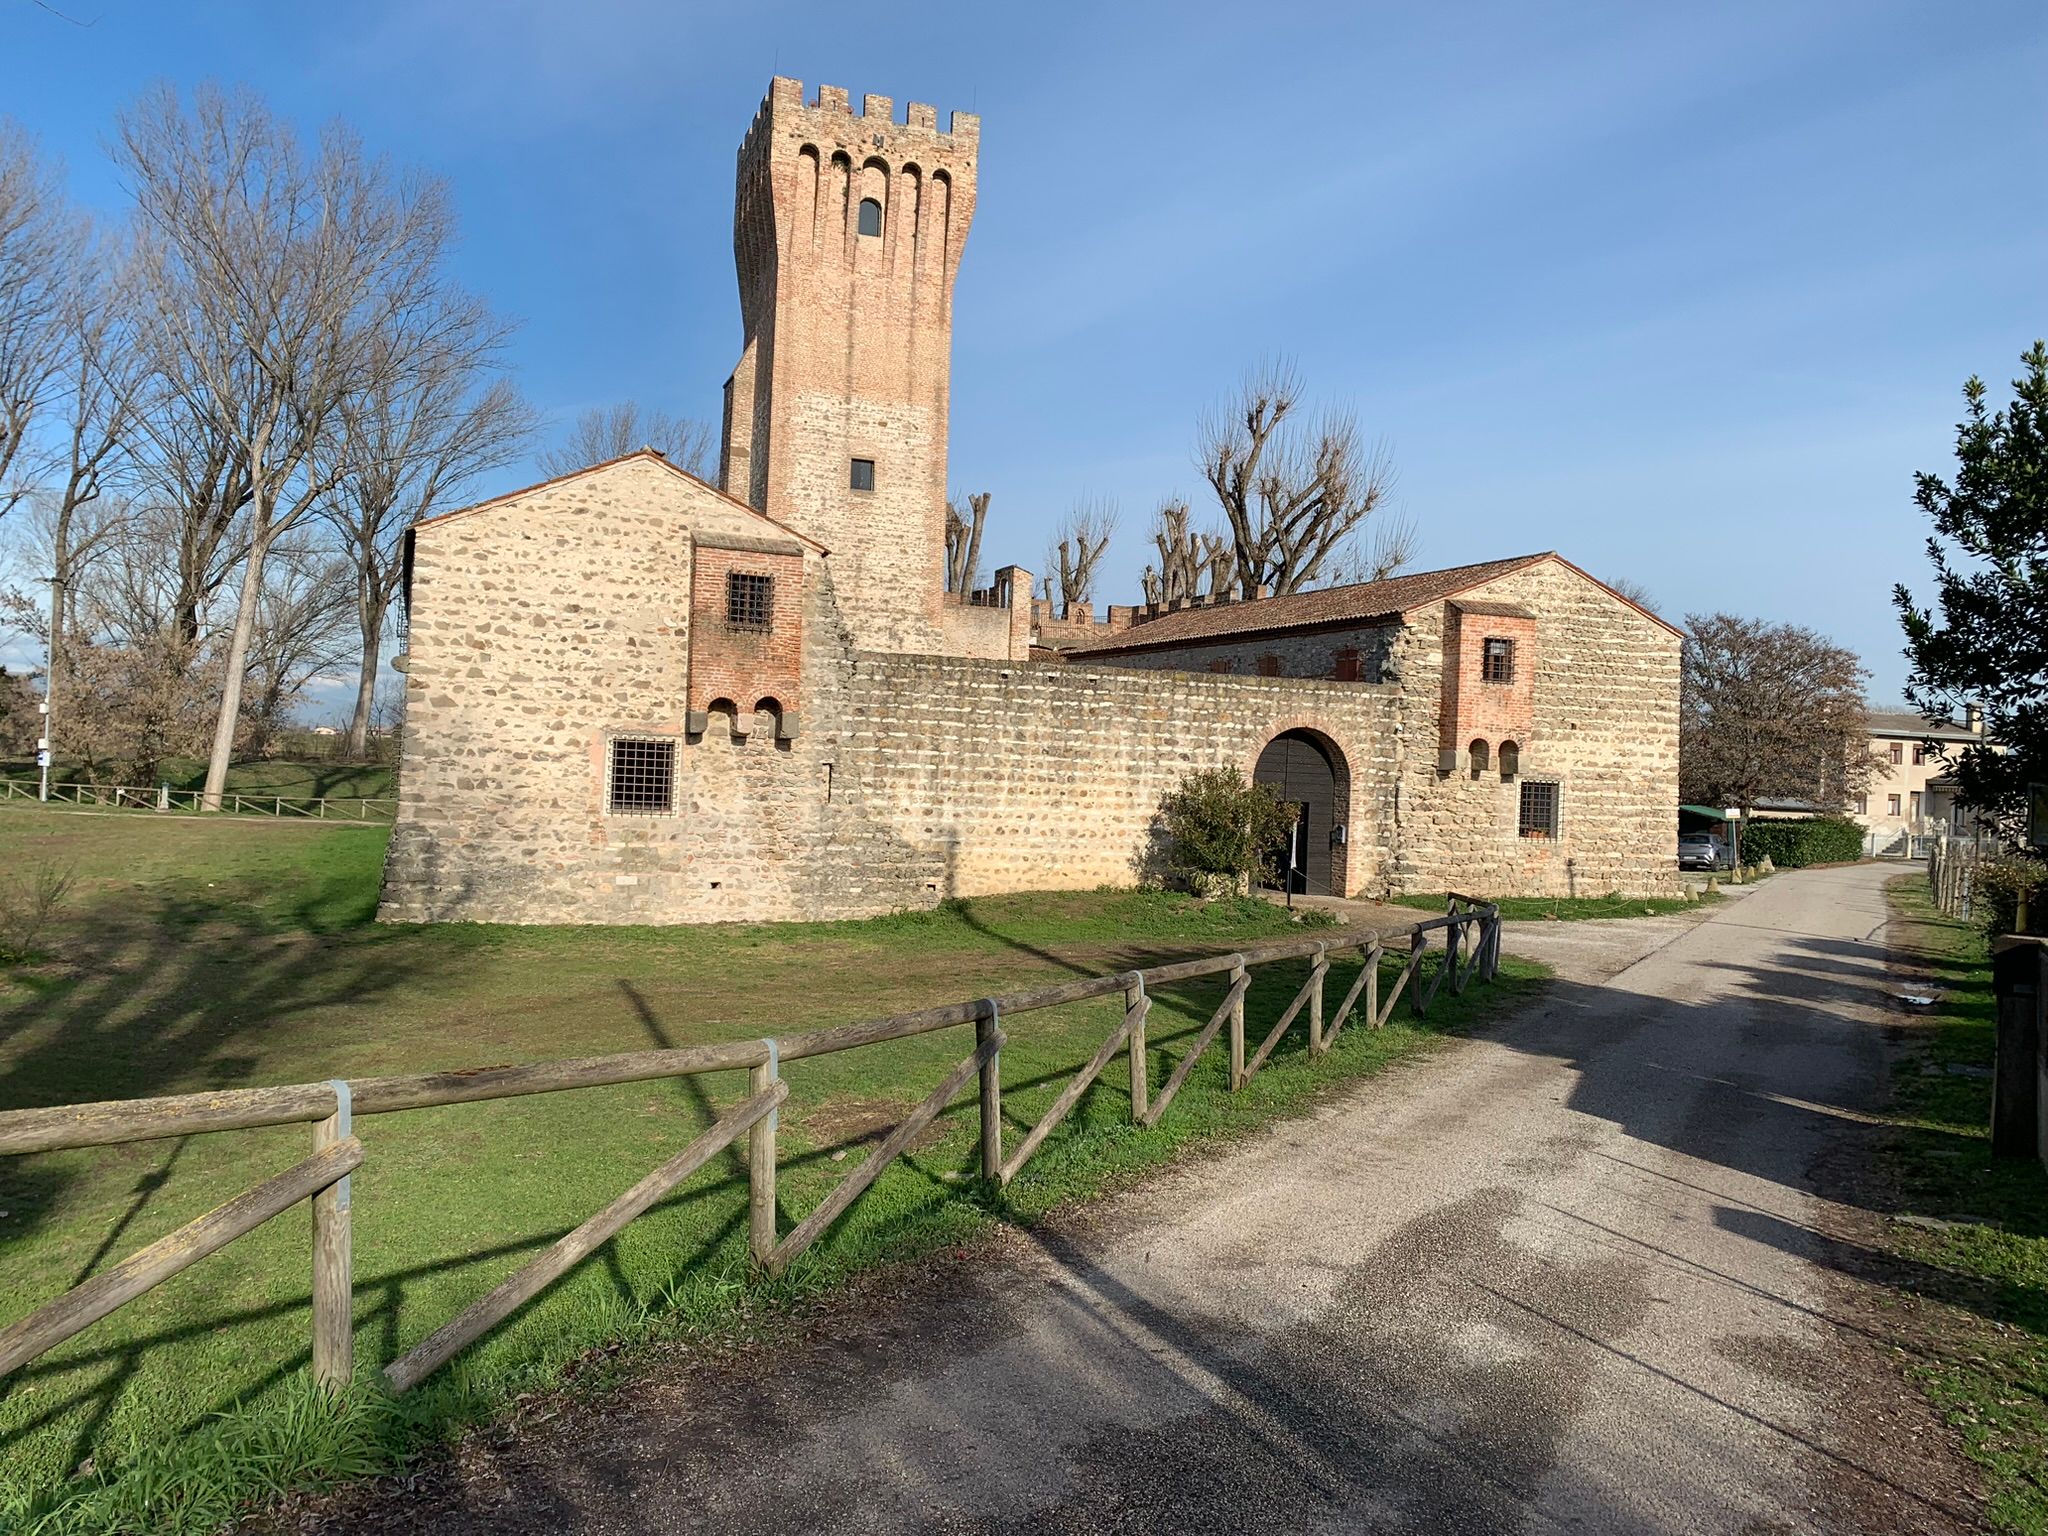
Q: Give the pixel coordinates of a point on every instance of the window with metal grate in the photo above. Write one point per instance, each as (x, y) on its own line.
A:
(1539, 808)
(1497, 661)
(641, 776)
(749, 601)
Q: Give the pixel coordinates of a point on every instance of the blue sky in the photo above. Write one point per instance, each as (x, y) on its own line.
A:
(1686, 293)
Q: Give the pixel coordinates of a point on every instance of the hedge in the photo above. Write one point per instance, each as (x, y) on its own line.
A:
(1795, 843)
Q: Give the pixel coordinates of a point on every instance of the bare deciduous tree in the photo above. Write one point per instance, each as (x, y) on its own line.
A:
(304, 625)
(39, 235)
(1634, 591)
(101, 389)
(1770, 711)
(963, 541)
(1295, 492)
(274, 274)
(613, 431)
(1076, 550)
(418, 435)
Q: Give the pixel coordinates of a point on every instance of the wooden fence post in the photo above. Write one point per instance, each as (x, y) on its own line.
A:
(2016, 981)
(1237, 1029)
(1141, 1086)
(1317, 972)
(985, 1030)
(334, 1326)
(761, 1159)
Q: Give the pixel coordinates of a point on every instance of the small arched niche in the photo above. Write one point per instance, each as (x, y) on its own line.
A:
(1510, 760)
(1481, 755)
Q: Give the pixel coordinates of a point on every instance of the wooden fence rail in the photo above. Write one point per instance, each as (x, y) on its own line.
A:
(185, 802)
(1471, 926)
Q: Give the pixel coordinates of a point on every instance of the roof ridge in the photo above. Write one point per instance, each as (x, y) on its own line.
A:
(590, 469)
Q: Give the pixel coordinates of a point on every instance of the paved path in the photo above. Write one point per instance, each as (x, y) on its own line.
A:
(1560, 1278)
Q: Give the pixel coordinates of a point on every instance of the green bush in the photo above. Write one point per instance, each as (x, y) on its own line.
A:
(1999, 883)
(1222, 827)
(1797, 842)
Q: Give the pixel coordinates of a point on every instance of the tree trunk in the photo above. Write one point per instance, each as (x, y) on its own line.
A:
(238, 659)
(366, 689)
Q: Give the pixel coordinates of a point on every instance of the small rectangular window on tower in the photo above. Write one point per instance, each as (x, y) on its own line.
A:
(863, 474)
(1497, 663)
(749, 601)
(1539, 808)
(640, 779)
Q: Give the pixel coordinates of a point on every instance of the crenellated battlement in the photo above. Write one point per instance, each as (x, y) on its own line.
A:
(831, 113)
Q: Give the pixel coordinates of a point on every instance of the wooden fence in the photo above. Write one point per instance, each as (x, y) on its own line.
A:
(1952, 872)
(187, 802)
(1471, 940)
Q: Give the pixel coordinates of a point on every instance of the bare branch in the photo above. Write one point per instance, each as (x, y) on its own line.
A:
(610, 432)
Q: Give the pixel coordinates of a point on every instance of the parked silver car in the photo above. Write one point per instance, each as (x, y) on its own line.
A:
(1703, 850)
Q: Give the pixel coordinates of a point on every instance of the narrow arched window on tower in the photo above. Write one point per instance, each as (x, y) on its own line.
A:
(870, 216)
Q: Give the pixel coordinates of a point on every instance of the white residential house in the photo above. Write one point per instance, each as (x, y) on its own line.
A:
(1912, 793)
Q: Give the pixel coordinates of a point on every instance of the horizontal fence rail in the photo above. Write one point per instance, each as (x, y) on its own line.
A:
(187, 802)
(1471, 940)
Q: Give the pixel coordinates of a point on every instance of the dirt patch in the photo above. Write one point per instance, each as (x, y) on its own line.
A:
(847, 1123)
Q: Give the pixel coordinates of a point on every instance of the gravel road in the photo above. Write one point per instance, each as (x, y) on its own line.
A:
(1566, 1276)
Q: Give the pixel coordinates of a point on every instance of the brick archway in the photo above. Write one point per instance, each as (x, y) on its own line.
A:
(1308, 768)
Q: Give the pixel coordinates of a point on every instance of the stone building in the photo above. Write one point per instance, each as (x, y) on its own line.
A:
(636, 697)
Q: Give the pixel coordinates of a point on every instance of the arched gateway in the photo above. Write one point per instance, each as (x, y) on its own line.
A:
(1307, 770)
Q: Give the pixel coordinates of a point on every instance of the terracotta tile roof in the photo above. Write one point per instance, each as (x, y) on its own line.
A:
(591, 469)
(1366, 602)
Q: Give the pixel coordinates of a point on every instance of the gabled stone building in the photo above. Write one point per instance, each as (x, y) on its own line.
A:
(636, 697)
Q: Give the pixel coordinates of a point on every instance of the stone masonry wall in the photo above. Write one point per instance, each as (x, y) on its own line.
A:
(1605, 705)
(1050, 775)
(544, 626)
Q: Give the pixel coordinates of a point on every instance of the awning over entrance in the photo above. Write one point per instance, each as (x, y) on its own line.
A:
(1705, 813)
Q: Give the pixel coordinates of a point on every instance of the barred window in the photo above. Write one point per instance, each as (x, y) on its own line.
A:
(749, 600)
(863, 474)
(642, 777)
(1539, 809)
(1497, 663)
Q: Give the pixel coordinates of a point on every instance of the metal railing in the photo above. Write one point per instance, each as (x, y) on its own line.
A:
(1471, 947)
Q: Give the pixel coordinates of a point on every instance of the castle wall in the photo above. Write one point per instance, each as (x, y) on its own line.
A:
(1050, 776)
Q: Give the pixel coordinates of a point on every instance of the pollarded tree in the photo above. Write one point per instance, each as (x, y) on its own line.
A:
(963, 541)
(1075, 551)
(1296, 492)
(1985, 640)
(1770, 711)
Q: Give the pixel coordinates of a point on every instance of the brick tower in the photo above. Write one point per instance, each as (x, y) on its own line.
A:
(847, 230)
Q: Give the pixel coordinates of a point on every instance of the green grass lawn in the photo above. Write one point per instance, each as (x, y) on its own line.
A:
(1565, 908)
(292, 780)
(1992, 1381)
(198, 954)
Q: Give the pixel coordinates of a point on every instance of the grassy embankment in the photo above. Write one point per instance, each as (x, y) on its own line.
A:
(202, 954)
(1986, 1252)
